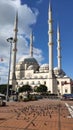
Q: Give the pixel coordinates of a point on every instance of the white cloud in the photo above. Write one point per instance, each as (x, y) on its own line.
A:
(15, 3)
(39, 1)
(38, 55)
(27, 17)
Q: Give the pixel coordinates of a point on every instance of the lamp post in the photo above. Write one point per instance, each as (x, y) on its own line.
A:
(10, 40)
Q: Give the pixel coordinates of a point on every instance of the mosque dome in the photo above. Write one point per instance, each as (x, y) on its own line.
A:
(29, 62)
(44, 66)
(27, 59)
(58, 72)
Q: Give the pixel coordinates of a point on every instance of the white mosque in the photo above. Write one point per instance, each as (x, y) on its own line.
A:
(28, 70)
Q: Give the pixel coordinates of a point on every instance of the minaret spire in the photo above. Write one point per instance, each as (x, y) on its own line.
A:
(59, 47)
(14, 50)
(50, 7)
(31, 44)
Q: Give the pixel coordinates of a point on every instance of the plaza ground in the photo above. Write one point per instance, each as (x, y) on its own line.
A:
(43, 114)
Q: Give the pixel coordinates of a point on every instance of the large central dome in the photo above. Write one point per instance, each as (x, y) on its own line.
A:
(28, 61)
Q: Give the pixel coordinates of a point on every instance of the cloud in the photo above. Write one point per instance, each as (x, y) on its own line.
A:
(39, 1)
(27, 17)
(38, 55)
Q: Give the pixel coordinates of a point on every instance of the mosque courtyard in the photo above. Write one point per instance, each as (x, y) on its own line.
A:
(43, 114)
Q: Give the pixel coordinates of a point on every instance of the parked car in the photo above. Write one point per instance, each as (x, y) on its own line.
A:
(2, 100)
(67, 97)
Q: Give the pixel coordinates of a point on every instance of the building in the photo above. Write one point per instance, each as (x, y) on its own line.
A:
(28, 70)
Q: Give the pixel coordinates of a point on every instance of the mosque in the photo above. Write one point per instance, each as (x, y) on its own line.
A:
(28, 70)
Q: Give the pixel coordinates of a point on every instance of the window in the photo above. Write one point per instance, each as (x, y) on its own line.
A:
(27, 82)
(44, 82)
(38, 82)
(66, 90)
(41, 77)
(32, 83)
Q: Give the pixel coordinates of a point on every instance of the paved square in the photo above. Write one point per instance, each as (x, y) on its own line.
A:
(43, 114)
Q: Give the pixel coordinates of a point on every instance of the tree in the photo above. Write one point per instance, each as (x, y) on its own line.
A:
(3, 89)
(25, 88)
(42, 89)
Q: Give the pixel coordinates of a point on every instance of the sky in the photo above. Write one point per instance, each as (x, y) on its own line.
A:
(33, 16)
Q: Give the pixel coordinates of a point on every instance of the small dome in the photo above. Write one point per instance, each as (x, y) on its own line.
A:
(65, 76)
(58, 72)
(44, 67)
(56, 68)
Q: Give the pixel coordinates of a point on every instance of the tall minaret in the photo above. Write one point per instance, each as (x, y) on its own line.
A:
(31, 44)
(52, 80)
(59, 48)
(50, 44)
(14, 51)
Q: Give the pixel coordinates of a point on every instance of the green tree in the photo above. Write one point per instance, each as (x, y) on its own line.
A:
(25, 88)
(3, 89)
(42, 89)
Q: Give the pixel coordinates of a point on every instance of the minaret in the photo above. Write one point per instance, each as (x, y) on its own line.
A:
(52, 80)
(14, 51)
(31, 44)
(50, 44)
(59, 48)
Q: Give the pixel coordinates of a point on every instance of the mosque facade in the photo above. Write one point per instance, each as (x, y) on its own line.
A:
(28, 70)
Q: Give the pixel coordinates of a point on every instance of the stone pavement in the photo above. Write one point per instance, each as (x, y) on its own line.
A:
(43, 114)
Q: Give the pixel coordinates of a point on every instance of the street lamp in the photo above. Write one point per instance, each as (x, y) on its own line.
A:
(10, 40)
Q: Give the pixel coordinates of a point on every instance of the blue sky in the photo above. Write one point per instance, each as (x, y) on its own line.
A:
(33, 15)
(62, 15)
